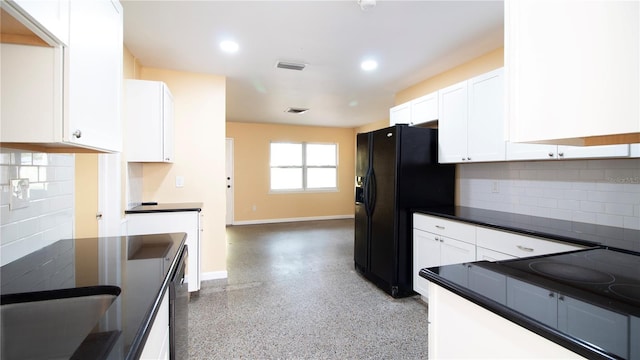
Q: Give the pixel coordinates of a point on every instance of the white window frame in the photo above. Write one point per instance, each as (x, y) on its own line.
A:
(304, 168)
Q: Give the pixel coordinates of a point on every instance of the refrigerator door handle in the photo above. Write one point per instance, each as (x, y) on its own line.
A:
(365, 195)
(371, 192)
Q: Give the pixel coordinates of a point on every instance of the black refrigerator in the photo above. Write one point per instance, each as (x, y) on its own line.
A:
(397, 170)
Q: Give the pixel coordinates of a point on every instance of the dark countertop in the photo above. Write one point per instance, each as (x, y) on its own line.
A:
(563, 230)
(592, 276)
(141, 266)
(168, 207)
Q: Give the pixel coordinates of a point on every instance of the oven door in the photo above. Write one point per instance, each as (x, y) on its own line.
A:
(179, 311)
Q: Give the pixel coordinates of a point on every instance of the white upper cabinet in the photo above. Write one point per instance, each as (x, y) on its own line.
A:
(48, 19)
(452, 125)
(415, 112)
(471, 124)
(400, 114)
(572, 71)
(67, 97)
(524, 151)
(485, 127)
(149, 121)
(94, 66)
(424, 109)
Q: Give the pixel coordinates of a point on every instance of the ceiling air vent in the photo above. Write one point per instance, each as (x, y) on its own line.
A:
(290, 65)
(293, 110)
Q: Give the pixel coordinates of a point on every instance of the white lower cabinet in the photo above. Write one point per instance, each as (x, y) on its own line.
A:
(171, 222)
(516, 245)
(434, 249)
(593, 324)
(484, 254)
(438, 241)
(157, 344)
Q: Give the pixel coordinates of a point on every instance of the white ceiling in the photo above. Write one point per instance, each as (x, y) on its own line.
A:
(411, 40)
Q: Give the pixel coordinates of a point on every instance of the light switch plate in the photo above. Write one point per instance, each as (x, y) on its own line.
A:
(179, 181)
(19, 197)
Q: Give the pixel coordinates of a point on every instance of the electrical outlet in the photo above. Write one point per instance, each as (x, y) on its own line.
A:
(19, 197)
(494, 187)
(254, 207)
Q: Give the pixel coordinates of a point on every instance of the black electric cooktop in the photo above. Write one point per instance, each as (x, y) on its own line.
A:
(611, 275)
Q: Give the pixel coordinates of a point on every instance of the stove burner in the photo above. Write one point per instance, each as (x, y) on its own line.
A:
(627, 291)
(571, 272)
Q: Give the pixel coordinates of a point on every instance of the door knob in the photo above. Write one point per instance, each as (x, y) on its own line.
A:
(228, 186)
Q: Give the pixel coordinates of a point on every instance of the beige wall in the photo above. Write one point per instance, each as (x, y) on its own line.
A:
(251, 173)
(371, 127)
(199, 109)
(86, 195)
(487, 62)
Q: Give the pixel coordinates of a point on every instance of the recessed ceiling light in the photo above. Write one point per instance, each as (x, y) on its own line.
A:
(369, 65)
(229, 46)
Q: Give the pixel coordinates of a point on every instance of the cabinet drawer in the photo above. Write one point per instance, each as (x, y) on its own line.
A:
(519, 245)
(448, 228)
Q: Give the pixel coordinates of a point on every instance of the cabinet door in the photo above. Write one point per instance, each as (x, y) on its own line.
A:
(400, 114)
(452, 125)
(594, 324)
(634, 150)
(426, 253)
(167, 124)
(486, 127)
(536, 302)
(484, 254)
(523, 151)
(157, 343)
(593, 152)
(454, 251)
(51, 16)
(548, 58)
(94, 68)
(424, 109)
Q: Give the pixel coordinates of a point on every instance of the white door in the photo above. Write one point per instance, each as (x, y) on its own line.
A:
(229, 175)
(109, 195)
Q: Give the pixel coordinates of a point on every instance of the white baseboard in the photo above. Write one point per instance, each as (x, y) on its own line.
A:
(273, 221)
(213, 275)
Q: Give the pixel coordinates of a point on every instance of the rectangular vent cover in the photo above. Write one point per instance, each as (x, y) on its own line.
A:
(290, 66)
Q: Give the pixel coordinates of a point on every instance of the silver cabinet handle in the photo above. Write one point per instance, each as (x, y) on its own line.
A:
(468, 158)
(551, 295)
(436, 238)
(77, 134)
(441, 240)
(523, 248)
(561, 154)
(561, 298)
(440, 227)
(167, 159)
(550, 154)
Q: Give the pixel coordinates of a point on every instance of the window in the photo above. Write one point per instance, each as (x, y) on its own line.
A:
(303, 166)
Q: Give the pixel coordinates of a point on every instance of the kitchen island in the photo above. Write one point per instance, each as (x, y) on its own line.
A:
(581, 304)
(135, 271)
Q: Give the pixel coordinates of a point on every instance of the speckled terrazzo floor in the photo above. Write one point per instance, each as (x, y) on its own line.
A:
(292, 293)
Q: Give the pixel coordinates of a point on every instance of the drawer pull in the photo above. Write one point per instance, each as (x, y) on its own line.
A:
(440, 227)
(523, 248)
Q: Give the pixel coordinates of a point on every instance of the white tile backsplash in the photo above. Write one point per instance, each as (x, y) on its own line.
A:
(604, 192)
(50, 214)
